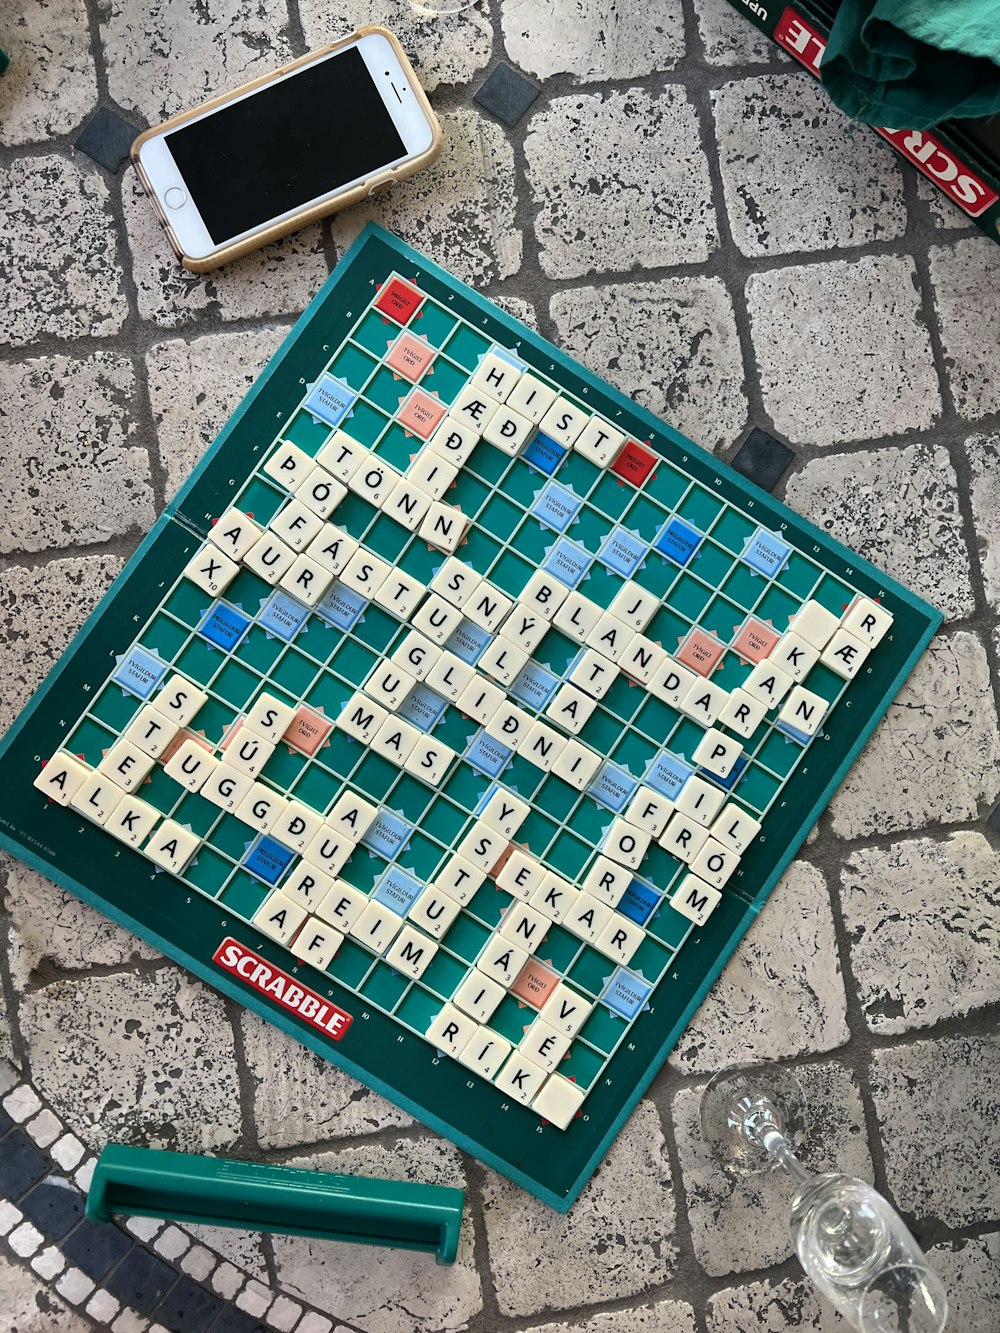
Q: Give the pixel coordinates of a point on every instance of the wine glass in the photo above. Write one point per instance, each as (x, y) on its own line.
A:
(850, 1241)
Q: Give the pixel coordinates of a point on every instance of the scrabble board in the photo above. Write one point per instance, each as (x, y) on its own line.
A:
(458, 717)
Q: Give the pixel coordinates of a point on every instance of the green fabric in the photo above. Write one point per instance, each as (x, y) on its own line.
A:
(909, 64)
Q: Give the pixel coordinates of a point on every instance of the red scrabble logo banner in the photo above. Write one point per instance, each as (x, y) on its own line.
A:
(260, 975)
(938, 163)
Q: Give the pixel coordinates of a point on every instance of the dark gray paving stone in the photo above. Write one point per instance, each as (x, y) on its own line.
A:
(233, 1320)
(54, 1208)
(106, 139)
(187, 1308)
(21, 1166)
(140, 1280)
(95, 1247)
(506, 94)
(762, 459)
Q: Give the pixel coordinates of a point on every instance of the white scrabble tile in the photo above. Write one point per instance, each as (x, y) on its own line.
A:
(671, 682)
(767, 683)
(401, 593)
(485, 1053)
(642, 658)
(455, 581)
(278, 917)
(481, 846)
(566, 1011)
(317, 944)
(521, 875)
(388, 685)
(543, 594)
(531, 397)
(695, 899)
(524, 628)
(295, 525)
(342, 906)
(297, 826)
(61, 777)
(436, 619)
(481, 699)
(814, 623)
(270, 558)
(288, 465)
(434, 912)
(564, 422)
(607, 881)
(430, 760)
(374, 481)
(715, 863)
(234, 533)
(743, 713)
(361, 718)
(321, 492)
(803, 711)
(416, 654)
(508, 725)
(450, 1030)
(554, 897)
(342, 456)
(247, 751)
(717, 752)
(351, 815)
(410, 953)
(620, 939)
(179, 700)
(307, 580)
(570, 707)
(683, 837)
(577, 764)
(328, 851)
(407, 503)
(625, 844)
(594, 672)
(577, 616)
(365, 573)
(587, 917)
(500, 960)
(450, 676)
(150, 731)
(496, 376)
(192, 765)
(634, 605)
(508, 431)
(610, 636)
(700, 800)
(734, 828)
(867, 621)
(394, 740)
(845, 655)
(542, 746)
(649, 810)
(459, 878)
(261, 808)
(377, 927)
(432, 473)
(473, 409)
(503, 660)
(599, 442)
(793, 655)
(523, 926)
(132, 820)
(559, 1101)
(211, 571)
(307, 886)
(443, 526)
(171, 846)
(477, 995)
(504, 813)
(486, 606)
(704, 702)
(544, 1045)
(454, 440)
(331, 548)
(520, 1079)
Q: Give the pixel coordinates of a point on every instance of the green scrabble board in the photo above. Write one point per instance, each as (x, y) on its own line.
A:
(470, 763)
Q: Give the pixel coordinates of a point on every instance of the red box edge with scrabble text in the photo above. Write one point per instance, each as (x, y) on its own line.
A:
(277, 985)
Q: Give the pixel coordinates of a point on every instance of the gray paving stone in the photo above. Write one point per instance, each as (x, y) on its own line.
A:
(983, 453)
(593, 39)
(731, 39)
(135, 1059)
(936, 755)
(782, 993)
(771, 1307)
(842, 351)
(506, 94)
(70, 285)
(899, 509)
(163, 59)
(625, 1215)
(442, 50)
(964, 279)
(31, 1306)
(741, 1222)
(72, 470)
(661, 1317)
(195, 386)
(397, 1292)
(944, 215)
(938, 1103)
(50, 84)
(590, 160)
(970, 1271)
(795, 176)
(51, 928)
(40, 611)
(281, 279)
(243, 1249)
(672, 345)
(923, 920)
(300, 1098)
(460, 211)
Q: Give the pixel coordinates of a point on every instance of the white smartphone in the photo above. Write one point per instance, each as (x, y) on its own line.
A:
(265, 159)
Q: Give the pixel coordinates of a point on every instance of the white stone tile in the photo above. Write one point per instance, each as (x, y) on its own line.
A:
(964, 279)
(593, 39)
(983, 453)
(21, 1103)
(729, 38)
(31, 1306)
(970, 1271)
(669, 1316)
(50, 85)
(772, 1307)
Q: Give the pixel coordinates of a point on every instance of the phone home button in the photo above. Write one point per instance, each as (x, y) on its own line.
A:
(175, 197)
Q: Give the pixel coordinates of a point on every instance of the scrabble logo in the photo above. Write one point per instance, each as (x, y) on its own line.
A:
(263, 976)
(938, 163)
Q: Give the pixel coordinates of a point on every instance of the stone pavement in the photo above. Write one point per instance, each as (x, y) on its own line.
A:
(683, 210)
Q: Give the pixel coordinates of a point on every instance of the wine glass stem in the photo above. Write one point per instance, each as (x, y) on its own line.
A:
(775, 1143)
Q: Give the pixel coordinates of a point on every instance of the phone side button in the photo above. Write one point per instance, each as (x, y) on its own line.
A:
(175, 197)
(379, 187)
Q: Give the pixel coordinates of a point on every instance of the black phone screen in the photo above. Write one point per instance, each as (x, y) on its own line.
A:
(294, 140)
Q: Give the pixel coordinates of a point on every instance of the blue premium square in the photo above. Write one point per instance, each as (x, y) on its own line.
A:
(341, 606)
(556, 506)
(388, 835)
(638, 902)
(667, 774)
(626, 993)
(224, 626)
(283, 616)
(329, 400)
(422, 707)
(534, 685)
(468, 641)
(567, 562)
(766, 552)
(735, 773)
(397, 890)
(623, 551)
(487, 756)
(139, 672)
(678, 541)
(544, 454)
(612, 787)
(268, 860)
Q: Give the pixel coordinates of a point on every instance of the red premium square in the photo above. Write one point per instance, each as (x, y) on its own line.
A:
(634, 463)
(399, 301)
(410, 356)
(755, 640)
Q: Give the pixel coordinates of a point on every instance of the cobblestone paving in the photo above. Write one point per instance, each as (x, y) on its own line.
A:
(683, 210)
